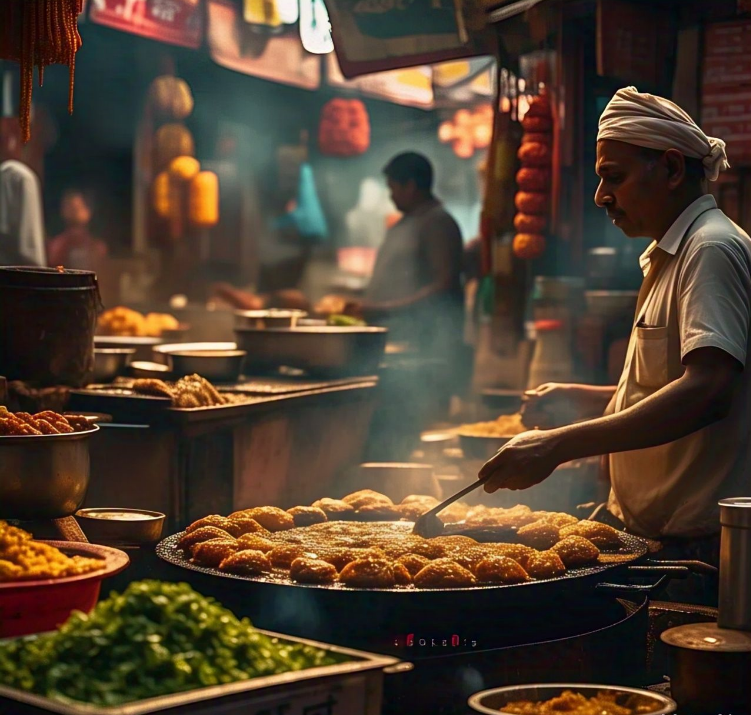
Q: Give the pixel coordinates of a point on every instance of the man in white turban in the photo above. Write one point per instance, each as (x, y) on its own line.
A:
(677, 427)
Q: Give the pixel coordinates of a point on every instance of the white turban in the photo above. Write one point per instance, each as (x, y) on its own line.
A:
(657, 123)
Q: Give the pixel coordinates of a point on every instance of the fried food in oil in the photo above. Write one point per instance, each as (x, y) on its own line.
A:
(557, 518)
(413, 544)
(412, 511)
(604, 703)
(378, 512)
(366, 497)
(444, 573)
(454, 512)
(23, 559)
(307, 515)
(539, 535)
(426, 499)
(470, 557)
(414, 563)
(343, 556)
(255, 542)
(309, 570)
(601, 535)
(246, 525)
(221, 522)
(247, 562)
(283, 555)
(213, 552)
(272, 518)
(452, 543)
(515, 517)
(152, 386)
(517, 552)
(402, 576)
(576, 551)
(545, 564)
(204, 533)
(504, 426)
(335, 508)
(368, 573)
(500, 569)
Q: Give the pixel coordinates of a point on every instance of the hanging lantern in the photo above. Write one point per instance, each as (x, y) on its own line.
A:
(344, 128)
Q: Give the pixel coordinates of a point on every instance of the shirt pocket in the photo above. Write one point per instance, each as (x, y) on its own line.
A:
(652, 357)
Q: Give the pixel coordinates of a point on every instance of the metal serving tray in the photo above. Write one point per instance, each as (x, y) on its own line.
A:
(351, 688)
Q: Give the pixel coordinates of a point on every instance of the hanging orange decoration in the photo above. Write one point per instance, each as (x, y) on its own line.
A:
(468, 131)
(39, 33)
(344, 128)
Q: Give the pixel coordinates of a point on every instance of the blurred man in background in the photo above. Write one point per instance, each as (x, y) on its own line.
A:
(76, 247)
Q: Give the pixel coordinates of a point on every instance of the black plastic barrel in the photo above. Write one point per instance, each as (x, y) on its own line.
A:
(47, 322)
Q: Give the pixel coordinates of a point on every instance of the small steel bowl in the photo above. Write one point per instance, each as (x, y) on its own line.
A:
(217, 362)
(102, 525)
(109, 363)
(479, 447)
(492, 702)
(268, 318)
(145, 369)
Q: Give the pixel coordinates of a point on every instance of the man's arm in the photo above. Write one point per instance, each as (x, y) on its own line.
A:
(702, 396)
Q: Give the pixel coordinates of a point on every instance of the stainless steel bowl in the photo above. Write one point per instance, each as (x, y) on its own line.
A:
(217, 362)
(492, 702)
(268, 318)
(43, 476)
(478, 447)
(111, 525)
(109, 363)
(324, 351)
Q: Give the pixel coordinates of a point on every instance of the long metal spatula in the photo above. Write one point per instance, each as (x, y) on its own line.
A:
(429, 525)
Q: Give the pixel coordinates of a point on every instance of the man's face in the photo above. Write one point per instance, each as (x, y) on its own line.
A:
(403, 195)
(633, 189)
(75, 211)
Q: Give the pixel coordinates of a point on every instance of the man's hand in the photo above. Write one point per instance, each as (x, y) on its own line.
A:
(528, 459)
(554, 404)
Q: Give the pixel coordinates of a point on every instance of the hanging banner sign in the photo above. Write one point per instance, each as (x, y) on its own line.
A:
(380, 35)
(177, 22)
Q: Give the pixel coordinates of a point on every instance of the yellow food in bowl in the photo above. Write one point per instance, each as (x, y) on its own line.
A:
(504, 426)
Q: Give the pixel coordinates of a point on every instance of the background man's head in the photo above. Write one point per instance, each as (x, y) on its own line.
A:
(75, 209)
(410, 180)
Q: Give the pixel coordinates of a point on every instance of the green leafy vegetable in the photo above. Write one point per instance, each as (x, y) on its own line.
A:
(346, 321)
(153, 639)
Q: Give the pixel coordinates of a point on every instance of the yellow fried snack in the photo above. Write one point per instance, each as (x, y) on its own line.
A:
(310, 570)
(500, 569)
(341, 557)
(539, 535)
(307, 515)
(576, 551)
(366, 497)
(545, 564)
(272, 518)
(557, 518)
(517, 552)
(23, 559)
(213, 552)
(220, 522)
(245, 525)
(504, 426)
(450, 544)
(378, 511)
(153, 387)
(368, 573)
(204, 533)
(444, 573)
(335, 509)
(454, 513)
(421, 499)
(601, 535)
(468, 558)
(248, 562)
(195, 391)
(283, 555)
(255, 542)
(414, 563)
(414, 544)
(411, 511)
(402, 576)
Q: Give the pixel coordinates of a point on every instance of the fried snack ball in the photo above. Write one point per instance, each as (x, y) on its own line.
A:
(468, 558)
(247, 562)
(221, 522)
(402, 576)
(557, 518)
(368, 573)
(545, 564)
(518, 552)
(411, 511)
(309, 570)
(444, 573)
(576, 551)
(255, 542)
(272, 518)
(341, 557)
(454, 512)
(452, 543)
(283, 555)
(204, 533)
(213, 552)
(240, 525)
(421, 499)
(539, 535)
(152, 386)
(414, 563)
(366, 497)
(415, 545)
(500, 569)
(335, 509)
(307, 515)
(378, 512)
(601, 535)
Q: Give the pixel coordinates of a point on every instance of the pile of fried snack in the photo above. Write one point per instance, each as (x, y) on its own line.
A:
(190, 391)
(123, 321)
(503, 426)
(23, 559)
(358, 542)
(16, 424)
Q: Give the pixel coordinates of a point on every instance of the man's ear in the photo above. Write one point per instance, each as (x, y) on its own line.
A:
(675, 163)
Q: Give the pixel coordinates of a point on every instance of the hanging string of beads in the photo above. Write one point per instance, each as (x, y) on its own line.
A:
(37, 33)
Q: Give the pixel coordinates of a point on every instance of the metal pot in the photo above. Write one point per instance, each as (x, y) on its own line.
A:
(109, 363)
(43, 476)
(735, 564)
(112, 525)
(268, 318)
(217, 362)
(710, 669)
(327, 351)
(493, 701)
(479, 447)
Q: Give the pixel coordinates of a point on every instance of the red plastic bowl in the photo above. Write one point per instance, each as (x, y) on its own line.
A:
(36, 606)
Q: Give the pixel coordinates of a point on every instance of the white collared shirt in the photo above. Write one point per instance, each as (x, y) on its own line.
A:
(701, 298)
